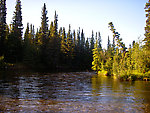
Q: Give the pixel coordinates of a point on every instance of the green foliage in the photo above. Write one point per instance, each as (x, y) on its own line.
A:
(92, 41)
(2, 26)
(53, 49)
(124, 64)
(96, 58)
(2, 63)
(147, 28)
(14, 49)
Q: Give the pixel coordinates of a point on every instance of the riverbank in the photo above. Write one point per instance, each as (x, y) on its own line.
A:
(128, 77)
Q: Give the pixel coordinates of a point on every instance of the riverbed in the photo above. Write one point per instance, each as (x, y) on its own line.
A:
(72, 92)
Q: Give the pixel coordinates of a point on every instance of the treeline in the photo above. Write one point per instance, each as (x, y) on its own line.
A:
(122, 62)
(48, 47)
(53, 48)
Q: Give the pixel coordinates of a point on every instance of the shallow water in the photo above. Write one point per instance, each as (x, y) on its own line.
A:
(71, 92)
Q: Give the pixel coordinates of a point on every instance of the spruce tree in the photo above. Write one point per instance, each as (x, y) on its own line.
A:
(69, 43)
(56, 25)
(26, 45)
(14, 52)
(63, 42)
(43, 36)
(99, 41)
(82, 41)
(44, 25)
(17, 20)
(26, 35)
(147, 28)
(92, 41)
(96, 64)
(2, 26)
(74, 39)
(108, 44)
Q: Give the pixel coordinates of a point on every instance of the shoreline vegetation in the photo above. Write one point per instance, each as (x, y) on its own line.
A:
(122, 63)
(52, 49)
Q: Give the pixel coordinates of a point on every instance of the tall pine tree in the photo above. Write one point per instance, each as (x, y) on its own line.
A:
(14, 52)
(2, 26)
(44, 37)
(147, 28)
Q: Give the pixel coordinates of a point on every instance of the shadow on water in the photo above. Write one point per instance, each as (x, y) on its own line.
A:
(71, 92)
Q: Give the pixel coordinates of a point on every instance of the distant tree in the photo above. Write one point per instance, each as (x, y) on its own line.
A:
(74, 40)
(26, 35)
(82, 41)
(36, 41)
(26, 46)
(92, 41)
(63, 42)
(108, 44)
(32, 34)
(55, 25)
(87, 55)
(116, 36)
(96, 64)
(87, 45)
(99, 41)
(44, 25)
(78, 39)
(69, 43)
(2, 26)
(43, 37)
(60, 33)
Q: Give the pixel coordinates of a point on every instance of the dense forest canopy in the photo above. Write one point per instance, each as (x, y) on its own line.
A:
(53, 48)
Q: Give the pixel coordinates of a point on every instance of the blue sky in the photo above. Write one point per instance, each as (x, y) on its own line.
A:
(128, 16)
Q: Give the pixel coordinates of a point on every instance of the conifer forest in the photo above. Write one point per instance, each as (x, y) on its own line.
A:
(55, 49)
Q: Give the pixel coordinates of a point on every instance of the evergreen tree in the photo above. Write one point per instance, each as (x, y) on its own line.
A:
(96, 58)
(147, 28)
(87, 45)
(92, 41)
(2, 26)
(27, 45)
(108, 44)
(60, 33)
(17, 20)
(74, 39)
(43, 37)
(99, 41)
(26, 35)
(32, 34)
(82, 41)
(78, 39)
(37, 37)
(116, 36)
(44, 25)
(63, 42)
(55, 25)
(69, 43)
(87, 55)
(14, 52)
(147, 37)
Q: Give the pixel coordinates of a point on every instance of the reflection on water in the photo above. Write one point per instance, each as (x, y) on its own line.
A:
(71, 92)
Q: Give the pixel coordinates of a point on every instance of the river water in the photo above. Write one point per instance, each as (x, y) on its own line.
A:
(71, 92)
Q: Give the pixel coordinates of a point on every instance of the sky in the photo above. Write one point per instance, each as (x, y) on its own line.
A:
(128, 16)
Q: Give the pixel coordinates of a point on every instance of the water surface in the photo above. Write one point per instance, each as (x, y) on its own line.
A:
(71, 92)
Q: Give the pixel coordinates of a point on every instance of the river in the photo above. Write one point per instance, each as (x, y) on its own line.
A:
(71, 92)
